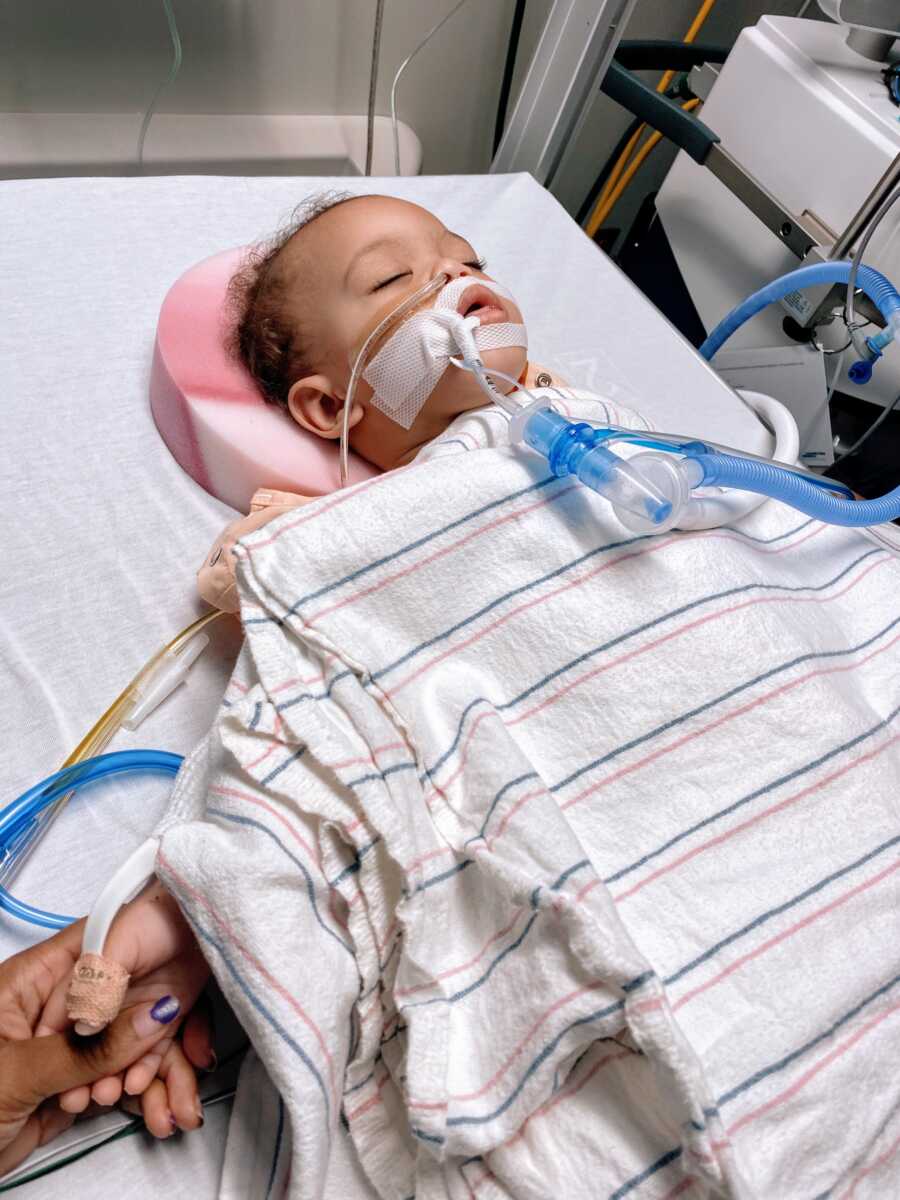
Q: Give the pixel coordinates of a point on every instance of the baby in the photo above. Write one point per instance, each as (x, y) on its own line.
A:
(305, 305)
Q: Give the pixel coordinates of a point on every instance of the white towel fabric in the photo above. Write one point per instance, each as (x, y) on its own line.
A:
(543, 860)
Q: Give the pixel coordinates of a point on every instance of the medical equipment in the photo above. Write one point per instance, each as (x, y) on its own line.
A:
(23, 814)
(650, 492)
(408, 365)
(166, 83)
(395, 127)
(816, 102)
(621, 173)
(24, 822)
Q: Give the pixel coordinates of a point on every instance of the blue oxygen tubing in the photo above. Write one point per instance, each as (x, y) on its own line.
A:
(880, 291)
(17, 819)
(731, 470)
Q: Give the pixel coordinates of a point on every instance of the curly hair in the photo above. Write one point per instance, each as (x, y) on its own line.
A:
(264, 336)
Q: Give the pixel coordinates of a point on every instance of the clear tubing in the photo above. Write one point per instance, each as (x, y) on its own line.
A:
(167, 82)
(14, 854)
(882, 293)
(421, 46)
(873, 428)
(18, 815)
(403, 309)
(856, 263)
(727, 470)
(676, 443)
(673, 443)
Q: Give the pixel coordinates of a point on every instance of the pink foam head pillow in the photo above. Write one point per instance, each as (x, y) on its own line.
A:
(211, 414)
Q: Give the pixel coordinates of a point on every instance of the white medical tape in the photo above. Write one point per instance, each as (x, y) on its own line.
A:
(408, 367)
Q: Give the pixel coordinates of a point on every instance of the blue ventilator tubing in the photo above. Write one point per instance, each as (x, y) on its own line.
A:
(576, 448)
(18, 816)
(730, 470)
(880, 291)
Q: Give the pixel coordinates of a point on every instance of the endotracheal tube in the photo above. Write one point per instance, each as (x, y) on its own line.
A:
(650, 491)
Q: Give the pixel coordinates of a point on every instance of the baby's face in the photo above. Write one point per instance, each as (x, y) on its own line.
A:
(355, 264)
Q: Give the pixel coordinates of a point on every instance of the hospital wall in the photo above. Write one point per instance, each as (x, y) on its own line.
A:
(313, 56)
(263, 56)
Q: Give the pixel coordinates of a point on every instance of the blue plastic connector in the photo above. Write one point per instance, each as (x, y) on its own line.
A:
(860, 372)
(576, 448)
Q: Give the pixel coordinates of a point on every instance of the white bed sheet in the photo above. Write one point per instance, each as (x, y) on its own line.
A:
(103, 532)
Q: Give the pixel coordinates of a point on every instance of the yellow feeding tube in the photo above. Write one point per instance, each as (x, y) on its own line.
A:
(97, 738)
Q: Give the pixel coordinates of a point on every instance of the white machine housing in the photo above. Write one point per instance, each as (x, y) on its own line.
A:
(812, 120)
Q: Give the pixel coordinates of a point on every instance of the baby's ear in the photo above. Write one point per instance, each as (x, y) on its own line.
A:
(313, 403)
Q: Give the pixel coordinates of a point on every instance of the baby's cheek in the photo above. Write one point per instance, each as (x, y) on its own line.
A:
(511, 360)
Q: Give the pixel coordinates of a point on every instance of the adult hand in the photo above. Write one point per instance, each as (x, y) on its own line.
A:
(40, 1056)
(152, 941)
(33, 1069)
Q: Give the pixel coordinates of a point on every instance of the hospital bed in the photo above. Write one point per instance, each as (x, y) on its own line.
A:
(103, 532)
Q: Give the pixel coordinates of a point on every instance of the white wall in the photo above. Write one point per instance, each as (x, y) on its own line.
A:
(312, 56)
(263, 56)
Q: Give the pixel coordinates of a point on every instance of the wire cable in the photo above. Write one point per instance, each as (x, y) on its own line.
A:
(373, 84)
(695, 27)
(509, 68)
(606, 170)
(166, 83)
(876, 424)
(602, 211)
(855, 264)
(424, 42)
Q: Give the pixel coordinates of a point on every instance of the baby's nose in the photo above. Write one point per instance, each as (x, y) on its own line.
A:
(454, 269)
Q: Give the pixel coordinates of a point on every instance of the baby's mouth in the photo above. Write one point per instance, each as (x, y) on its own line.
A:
(479, 301)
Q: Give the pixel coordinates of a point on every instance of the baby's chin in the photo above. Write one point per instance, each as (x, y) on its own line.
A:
(459, 390)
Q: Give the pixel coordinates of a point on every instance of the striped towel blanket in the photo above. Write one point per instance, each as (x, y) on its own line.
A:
(542, 860)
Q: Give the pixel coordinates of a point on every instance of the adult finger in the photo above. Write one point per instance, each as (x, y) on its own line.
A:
(35, 1069)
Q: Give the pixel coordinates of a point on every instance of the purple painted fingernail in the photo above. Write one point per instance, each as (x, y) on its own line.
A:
(165, 1010)
(146, 1021)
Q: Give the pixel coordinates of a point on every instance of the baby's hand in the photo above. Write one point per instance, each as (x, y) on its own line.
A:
(215, 579)
(152, 941)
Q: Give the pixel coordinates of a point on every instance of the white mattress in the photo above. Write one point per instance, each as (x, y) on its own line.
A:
(103, 532)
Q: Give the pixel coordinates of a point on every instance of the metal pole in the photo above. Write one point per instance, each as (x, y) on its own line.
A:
(867, 209)
(373, 84)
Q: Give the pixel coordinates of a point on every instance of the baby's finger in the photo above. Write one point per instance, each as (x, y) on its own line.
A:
(197, 1036)
(75, 1100)
(107, 1091)
(139, 1076)
(181, 1087)
(155, 1107)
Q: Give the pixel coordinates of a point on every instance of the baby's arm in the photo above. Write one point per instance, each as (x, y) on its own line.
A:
(215, 579)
